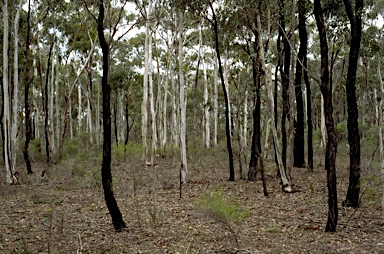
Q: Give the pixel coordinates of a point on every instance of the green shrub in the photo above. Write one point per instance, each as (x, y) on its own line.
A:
(121, 152)
(224, 210)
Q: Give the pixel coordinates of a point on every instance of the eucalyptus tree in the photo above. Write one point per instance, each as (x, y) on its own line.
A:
(284, 66)
(331, 149)
(7, 145)
(355, 18)
(248, 40)
(27, 84)
(209, 11)
(298, 154)
(112, 24)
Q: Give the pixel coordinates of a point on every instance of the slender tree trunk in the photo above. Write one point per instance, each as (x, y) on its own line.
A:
(152, 97)
(215, 101)
(15, 101)
(299, 160)
(309, 117)
(323, 128)
(352, 198)
(165, 102)
(256, 144)
(51, 100)
(227, 117)
(183, 117)
(106, 174)
(207, 108)
(27, 110)
(45, 93)
(291, 97)
(128, 129)
(9, 174)
(115, 120)
(304, 43)
(144, 104)
(91, 120)
(331, 150)
(79, 110)
(195, 91)
(284, 70)
(380, 127)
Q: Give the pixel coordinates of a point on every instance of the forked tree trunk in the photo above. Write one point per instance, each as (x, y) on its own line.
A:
(269, 87)
(106, 174)
(331, 149)
(355, 16)
(68, 104)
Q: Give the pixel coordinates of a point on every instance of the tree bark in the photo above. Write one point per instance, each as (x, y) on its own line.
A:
(106, 174)
(256, 144)
(27, 110)
(7, 143)
(45, 104)
(15, 99)
(380, 126)
(352, 198)
(183, 117)
(227, 117)
(299, 160)
(284, 70)
(144, 104)
(331, 150)
(286, 185)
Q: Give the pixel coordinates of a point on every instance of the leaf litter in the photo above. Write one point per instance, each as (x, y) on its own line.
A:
(62, 216)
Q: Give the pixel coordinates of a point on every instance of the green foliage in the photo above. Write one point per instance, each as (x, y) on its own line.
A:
(223, 209)
(370, 186)
(121, 152)
(156, 216)
(341, 131)
(36, 150)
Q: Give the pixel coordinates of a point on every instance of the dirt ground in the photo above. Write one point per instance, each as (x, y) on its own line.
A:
(64, 212)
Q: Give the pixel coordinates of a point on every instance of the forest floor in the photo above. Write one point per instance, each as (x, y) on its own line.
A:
(65, 212)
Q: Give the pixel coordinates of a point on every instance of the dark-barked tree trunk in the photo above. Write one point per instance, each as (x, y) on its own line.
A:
(352, 198)
(284, 70)
(106, 174)
(28, 122)
(309, 115)
(298, 152)
(227, 118)
(331, 149)
(256, 143)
